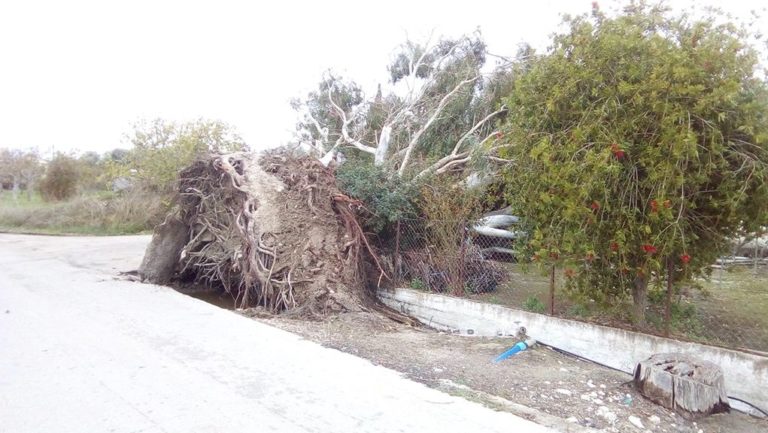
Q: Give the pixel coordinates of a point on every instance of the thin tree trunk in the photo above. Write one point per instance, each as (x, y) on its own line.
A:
(639, 299)
(755, 255)
(15, 188)
(668, 304)
(398, 275)
(30, 188)
(552, 291)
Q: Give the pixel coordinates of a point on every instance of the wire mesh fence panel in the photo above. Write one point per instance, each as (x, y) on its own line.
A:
(729, 309)
(446, 257)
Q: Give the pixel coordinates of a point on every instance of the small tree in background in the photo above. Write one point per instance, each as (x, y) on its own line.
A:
(640, 144)
(61, 177)
(19, 168)
(161, 148)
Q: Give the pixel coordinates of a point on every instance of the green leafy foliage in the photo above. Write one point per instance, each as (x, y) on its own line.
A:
(638, 139)
(20, 170)
(161, 148)
(61, 177)
(387, 197)
(534, 305)
(421, 77)
(417, 284)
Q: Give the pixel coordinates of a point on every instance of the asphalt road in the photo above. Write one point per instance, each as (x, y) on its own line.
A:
(82, 351)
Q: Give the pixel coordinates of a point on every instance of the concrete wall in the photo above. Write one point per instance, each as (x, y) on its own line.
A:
(746, 375)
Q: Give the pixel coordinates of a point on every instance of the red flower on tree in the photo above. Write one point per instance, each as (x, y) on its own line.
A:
(654, 206)
(649, 249)
(685, 258)
(614, 246)
(595, 205)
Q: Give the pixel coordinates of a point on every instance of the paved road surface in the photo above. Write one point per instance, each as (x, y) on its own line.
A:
(83, 352)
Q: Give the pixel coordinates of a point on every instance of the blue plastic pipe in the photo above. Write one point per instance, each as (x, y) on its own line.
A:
(519, 347)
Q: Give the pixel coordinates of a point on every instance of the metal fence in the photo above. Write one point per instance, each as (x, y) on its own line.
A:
(729, 309)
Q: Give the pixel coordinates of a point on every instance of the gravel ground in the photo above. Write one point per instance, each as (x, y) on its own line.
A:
(557, 387)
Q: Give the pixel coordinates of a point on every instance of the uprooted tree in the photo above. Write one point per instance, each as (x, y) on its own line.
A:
(271, 229)
(640, 146)
(436, 117)
(274, 229)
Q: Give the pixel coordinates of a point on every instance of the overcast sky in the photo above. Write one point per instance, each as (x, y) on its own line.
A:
(74, 75)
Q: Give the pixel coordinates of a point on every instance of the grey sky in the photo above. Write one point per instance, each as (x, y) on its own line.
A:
(76, 74)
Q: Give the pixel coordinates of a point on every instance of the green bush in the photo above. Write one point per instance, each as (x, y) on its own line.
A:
(60, 181)
(534, 305)
(387, 197)
(417, 284)
(162, 148)
(631, 140)
(578, 310)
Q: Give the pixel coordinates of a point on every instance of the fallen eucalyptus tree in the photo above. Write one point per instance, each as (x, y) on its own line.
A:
(271, 229)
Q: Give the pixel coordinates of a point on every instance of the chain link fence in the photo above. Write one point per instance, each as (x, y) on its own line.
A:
(462, 258)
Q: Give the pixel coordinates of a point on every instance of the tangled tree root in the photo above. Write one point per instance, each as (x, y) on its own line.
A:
(272, 230)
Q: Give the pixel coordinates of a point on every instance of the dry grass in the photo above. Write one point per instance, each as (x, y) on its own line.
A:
(94, 214)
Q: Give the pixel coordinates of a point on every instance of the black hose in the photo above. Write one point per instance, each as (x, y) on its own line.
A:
(750, 405)
(565, 352)
(571, 354)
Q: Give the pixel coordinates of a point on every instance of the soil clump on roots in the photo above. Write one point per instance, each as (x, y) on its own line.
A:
(271, 229)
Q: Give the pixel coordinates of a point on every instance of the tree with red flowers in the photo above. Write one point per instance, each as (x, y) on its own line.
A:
(639, 144)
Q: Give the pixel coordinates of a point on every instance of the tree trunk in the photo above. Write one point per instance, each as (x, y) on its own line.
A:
(680, 382)
(668, 302)
(552, 291)
(30, 188)
(398, 259)
(15, 188)
(639, 299)
(380, 156)
(162, 255)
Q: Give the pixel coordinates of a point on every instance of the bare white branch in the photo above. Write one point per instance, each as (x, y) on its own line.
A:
(345, 128)
(474, 128)
(381, 150)
(439, 109)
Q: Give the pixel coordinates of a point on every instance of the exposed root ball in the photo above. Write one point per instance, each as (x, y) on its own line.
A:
(273, 230)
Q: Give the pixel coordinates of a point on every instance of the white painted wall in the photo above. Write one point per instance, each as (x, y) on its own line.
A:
(746, 375)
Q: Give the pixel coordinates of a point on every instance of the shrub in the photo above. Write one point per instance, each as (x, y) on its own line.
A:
(640, 148)
(60, 181)
(387, 197)
(417, 284)
(534, 305)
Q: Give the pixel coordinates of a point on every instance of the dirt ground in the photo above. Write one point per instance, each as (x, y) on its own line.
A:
(561, 391)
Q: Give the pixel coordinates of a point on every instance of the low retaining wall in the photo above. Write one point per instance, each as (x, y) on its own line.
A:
(746, 375)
